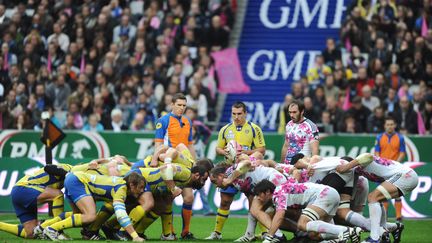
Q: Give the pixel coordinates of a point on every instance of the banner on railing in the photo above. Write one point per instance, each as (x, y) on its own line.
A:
(21, 152)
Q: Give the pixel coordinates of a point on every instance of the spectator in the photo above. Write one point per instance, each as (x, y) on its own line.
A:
(198, 102)
(93, 124)
(351, 125)
(59, 92)
(331, 53)
(360, 113)
(284, 116)
(371, 102)
(406, 117)
(317, 74)
(326, 125)
(116, 124)
(331, 90)
(61, 38)
(375, 123)
(380, 90)
(310, 110)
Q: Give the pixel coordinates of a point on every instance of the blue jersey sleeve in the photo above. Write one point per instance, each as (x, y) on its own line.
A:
(161, 128)
(402, 147)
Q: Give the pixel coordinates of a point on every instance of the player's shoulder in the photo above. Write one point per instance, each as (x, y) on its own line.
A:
(309, 123)
(254, 125)
(226, 127)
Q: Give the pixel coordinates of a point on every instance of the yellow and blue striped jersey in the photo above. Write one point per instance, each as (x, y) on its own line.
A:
(39, 179)
(155, 182)
(249, 135)
(104, 188)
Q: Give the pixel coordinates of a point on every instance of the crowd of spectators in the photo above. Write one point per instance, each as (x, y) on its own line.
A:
(381, 66)
(108, 65)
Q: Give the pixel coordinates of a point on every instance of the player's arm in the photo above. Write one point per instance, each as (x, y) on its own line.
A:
(276, 222)
(160, 149)
(161, 130)
(121, 214)
(314, 147)
(242, 168)
(192, 151)
(221, 143)
(362, 160)
(168, 172)
(284, 150)
(259, 142)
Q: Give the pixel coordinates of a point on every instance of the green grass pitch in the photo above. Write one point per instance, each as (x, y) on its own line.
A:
(415, 230)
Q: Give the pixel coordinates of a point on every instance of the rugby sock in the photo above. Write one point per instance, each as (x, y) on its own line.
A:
(221, 217)
(166, 219)
(186, 218)
(391, 227)
(136, 214)
(102, 216)
(252, 222)
(58, 205)
(398, 207)
(15, 229)
(323, 227)
(54, 220)
(359, 220)
(72, 221)
(375, 212)
(146, 221)
(383, 219)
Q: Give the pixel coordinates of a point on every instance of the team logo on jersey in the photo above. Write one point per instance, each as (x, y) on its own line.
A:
(247, 131)
(158, 125)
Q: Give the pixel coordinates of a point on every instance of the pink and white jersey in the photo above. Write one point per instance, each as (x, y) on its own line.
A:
(247, 182)
(326, 166)
(381, 169)
(298, 136)
(298, 195)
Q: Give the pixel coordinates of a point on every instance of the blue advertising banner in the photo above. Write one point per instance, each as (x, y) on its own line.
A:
(279, 42)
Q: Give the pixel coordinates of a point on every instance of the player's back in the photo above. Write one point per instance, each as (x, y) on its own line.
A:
(381, 169)
(299, 193)
(40, 179)
(102, 187)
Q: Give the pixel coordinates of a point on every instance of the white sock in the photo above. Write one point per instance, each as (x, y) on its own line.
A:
(278, 233)
(323, 227)
(359, 220)
(383, 220)
(375, 218)
(252, 222)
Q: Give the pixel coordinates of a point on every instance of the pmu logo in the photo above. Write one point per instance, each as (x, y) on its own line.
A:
(76, 145)
(416, 205)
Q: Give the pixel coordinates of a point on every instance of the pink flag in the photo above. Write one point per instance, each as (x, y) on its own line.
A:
(348, 45)
(420, 124)
(49, 63)
(346, 104)
(6, 61)
(83, 63)
(424, 28)
(228, 68)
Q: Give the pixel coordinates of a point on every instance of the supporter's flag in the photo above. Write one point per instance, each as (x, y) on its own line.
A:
(6, 61)
(420, 124)
(49, 63)
(346, 104)
(229, 72)
(424, 28)
(83, 63)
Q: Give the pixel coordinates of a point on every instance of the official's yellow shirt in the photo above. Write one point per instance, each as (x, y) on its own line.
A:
(249, 136)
